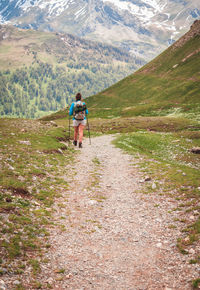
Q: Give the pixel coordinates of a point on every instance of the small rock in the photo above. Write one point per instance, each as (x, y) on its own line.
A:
(25, 142)
(2, 283)
(21, 178)
(153, 186)
(92, 202)
(147, 178)
(159, 245)
(59, 278)
(50, 280)
(69, 276)
(10, 167)
(195, 150)
(191, 251)
(54, 123)
(8, 199)
(192, 217)
(187, 239)
(16, 282)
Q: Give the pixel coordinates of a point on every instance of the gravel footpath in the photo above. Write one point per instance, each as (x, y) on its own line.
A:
(115, 237)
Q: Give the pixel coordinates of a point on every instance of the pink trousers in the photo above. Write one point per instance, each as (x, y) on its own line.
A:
(78, 130)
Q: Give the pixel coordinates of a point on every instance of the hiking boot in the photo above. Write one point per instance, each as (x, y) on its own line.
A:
(75, 143)
(80, 145)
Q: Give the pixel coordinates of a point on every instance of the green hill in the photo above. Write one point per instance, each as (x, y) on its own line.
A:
(40, 71)
(168, 85)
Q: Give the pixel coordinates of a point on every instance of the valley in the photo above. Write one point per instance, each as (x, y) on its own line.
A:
(122, 211)
(41, 72)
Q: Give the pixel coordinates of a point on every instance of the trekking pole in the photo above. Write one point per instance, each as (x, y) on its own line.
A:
(69, 128)
(88, 129)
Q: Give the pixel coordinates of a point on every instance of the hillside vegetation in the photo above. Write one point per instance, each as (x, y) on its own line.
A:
(32, 157)
(168, 85)
(40, 72)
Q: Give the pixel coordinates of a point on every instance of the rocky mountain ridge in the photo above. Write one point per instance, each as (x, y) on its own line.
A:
(144, 27)
(193, 32)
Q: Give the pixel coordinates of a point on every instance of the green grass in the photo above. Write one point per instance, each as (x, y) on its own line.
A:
(196, 283)
(156, 89)
(30, 165)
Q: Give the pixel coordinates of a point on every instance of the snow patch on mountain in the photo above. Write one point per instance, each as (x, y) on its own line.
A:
(133, 9)
(80, 12)
(53, 7)
(146, 10)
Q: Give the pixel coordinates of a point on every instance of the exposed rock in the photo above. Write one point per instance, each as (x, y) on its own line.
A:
(194, 31)
(192, 217)
(147, 178)
(195, 150)
(191, 251)
(16, 282)
(25, 142)
(8, 199)
(92, 202)
(10, 167)
(53, 123)
(153, 186)
(69, 276)
(2, 285)
(159, 245)
(141, 180)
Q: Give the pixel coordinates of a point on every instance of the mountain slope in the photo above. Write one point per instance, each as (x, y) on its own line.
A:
(168, 84)
(145, 27)
(40, 71)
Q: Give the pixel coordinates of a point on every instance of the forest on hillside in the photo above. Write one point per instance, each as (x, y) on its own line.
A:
(40, 72)
(40, 89)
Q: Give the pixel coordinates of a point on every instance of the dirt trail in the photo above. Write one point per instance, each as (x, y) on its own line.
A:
(115, 238)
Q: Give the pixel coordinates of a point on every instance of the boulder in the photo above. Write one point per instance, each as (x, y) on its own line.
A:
(195, 150)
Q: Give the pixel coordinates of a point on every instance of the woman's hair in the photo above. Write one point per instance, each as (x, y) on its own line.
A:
(78, 97)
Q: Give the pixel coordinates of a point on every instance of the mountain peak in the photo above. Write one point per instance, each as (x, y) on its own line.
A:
(195, 27)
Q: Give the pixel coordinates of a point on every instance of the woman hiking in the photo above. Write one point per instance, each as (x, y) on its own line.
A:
(78, 110)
